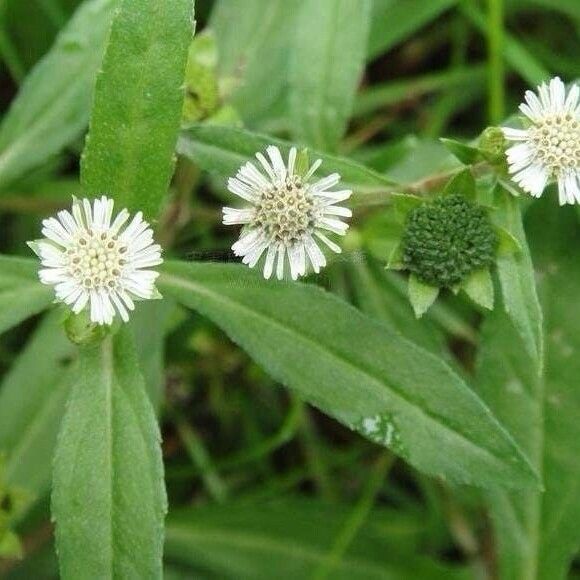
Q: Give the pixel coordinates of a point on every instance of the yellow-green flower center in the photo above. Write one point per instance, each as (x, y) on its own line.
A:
(286, 212)
(556, 141)
(96, 259)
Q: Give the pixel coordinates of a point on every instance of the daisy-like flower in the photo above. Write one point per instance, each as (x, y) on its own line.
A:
(288, 216)
(548, 150)
(96, 261)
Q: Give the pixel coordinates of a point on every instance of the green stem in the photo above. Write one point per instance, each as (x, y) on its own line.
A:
(201, 458)
(357, 517)
(269, 445)
(495, 41)
(314, 456)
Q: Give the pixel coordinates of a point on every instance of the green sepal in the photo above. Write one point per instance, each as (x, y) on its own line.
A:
(202, 96)
(509, 186)
(395, 260)
(479, 287)
(462, 183)
(382, 233)
(421, 295)
(302, 164)
(404, 203)
(492, 146)
(81, 331)
(465, 153)
(507, 242)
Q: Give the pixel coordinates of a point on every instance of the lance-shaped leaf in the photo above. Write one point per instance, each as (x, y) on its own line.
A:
(356, 370)
(32, 400)
(248, 61)
(223, 150)
(138, 103)
(249, 541)
(108, 495)
(518, 284)
(21, 293)
(34, 392)
(326, 63)
(538, 532)
(52, 106)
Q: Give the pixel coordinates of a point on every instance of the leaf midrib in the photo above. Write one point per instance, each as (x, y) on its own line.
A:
(108, 379)
(37, 421)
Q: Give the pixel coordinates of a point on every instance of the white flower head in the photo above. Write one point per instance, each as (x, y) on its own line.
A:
(548, 150)
(94, 260)
(289, 214)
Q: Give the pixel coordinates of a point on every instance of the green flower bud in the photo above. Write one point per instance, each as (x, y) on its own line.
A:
(492, 145)
(446, 240)
(80, 330)
(202, 93)
(202, 96)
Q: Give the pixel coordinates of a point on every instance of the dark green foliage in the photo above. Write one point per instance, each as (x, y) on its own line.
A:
(446, 240)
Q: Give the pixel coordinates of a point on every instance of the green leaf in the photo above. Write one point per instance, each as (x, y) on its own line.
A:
(34, 392)
(378, 298)
(253, 61)
(223, 150)
(405, 203)
(21, 293)
(395, 20)
(381, 95)
(421, 295)
(395, 258)
(516, 274)
(508, 244)
(52, 106)
(479, 287)
(326, 64)
(149, 325)
(247, 541)
(138, 104)
(108, 494)
(356, 370)
(570, 8)
(466, 154)
(538, 532)
(462, 183)
(32, 399)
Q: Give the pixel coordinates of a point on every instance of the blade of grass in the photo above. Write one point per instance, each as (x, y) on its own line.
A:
(520, 60)
(386, 94)
(357, 517)
(200, 457)
(10, 56)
